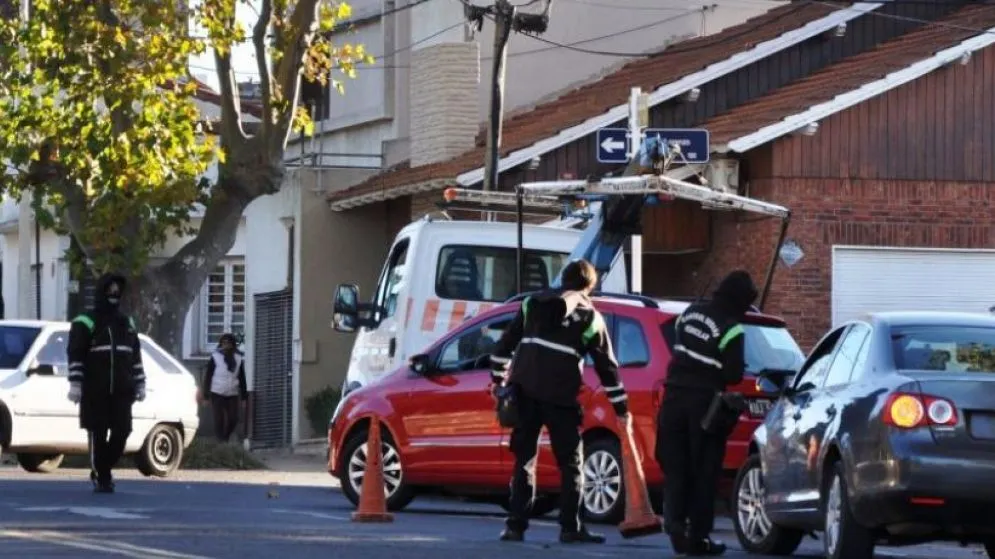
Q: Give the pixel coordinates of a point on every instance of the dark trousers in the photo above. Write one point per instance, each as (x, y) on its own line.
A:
(225, 410)
(106, 448)
(691, 460)
(563, 424)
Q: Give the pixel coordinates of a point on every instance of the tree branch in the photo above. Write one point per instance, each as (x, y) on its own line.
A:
(303, 24)
(265, 77)
(231, 114)
(188, 268)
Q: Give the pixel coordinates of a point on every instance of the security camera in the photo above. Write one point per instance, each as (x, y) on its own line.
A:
(534, 163)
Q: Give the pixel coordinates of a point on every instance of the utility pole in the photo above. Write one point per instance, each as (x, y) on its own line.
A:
(506, 19)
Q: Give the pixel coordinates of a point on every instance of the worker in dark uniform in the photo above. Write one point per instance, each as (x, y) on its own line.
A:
(550, 335)
(106, 377)
(707, 342)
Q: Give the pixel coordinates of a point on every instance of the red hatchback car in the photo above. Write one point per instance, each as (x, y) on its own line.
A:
(440, 432)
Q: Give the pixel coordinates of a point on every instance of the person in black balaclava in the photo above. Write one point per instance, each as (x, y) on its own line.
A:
(224, 380)
(106, 377)
(708, 355)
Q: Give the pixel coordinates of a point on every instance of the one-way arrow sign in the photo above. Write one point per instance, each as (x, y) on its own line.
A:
(613, 145)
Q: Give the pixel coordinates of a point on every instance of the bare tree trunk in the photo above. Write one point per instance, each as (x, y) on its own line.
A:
(159, 305)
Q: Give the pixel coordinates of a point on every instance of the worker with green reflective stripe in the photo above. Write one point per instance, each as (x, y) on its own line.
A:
(106, 377)
(707, 344)
(549, 337)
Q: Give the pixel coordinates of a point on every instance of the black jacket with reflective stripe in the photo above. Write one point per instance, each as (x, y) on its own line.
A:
(549, 337)
(105, 354)
(707, 349)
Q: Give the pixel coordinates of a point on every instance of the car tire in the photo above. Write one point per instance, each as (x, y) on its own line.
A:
(399, 494)
(161, 453)
(603, 494)
(843, 537)
(755, 532)
(39, 463)
(543, 505)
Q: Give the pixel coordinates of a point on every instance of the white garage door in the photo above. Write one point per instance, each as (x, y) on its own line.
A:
(895, 279)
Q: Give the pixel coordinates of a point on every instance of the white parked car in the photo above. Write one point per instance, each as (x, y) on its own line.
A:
(40, 425)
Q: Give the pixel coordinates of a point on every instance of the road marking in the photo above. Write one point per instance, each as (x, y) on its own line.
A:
(119, 548)
(311, 514)
(93, 512)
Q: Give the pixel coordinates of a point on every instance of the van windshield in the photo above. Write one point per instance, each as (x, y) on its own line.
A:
(486, 273)
(15, 341)
(956, 349)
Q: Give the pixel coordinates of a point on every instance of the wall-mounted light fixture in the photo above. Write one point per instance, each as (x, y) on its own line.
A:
(807, 130)
(692, 95)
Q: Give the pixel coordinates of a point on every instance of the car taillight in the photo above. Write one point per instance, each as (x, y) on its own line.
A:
(910, 411)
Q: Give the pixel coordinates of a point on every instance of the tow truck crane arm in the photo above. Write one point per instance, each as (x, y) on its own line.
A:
(620, 213)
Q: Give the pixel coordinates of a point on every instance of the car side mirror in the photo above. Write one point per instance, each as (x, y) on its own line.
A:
(44, 370)
(420, 364)
(769, 386)
(775, 382)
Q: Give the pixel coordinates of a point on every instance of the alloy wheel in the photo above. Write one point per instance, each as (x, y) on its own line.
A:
(834, 509)
(752, 514)
(602, 482)
(391, 467)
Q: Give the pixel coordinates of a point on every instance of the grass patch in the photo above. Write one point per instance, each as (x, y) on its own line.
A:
(203, 454)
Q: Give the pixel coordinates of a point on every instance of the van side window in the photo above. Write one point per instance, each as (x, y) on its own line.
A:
(390, 281)
(482, 273)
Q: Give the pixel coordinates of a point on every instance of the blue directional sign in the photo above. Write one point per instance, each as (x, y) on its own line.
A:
(613, 145)
(694, 142)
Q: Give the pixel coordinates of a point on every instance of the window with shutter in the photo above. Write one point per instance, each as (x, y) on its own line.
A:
(222, 303)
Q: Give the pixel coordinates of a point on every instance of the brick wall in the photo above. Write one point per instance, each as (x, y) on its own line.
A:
(444, 82)
(827, 212)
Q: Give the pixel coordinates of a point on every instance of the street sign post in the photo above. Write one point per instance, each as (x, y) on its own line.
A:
(694, 142)
(613, 145)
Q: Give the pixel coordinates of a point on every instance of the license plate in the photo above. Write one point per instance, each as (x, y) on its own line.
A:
(759, 408)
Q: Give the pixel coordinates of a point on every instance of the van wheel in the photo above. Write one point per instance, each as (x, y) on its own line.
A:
(40, 463)
(398, 494)
(754, 530)
(604, 489)
(543, 505)
(162, 452)
(843, 537)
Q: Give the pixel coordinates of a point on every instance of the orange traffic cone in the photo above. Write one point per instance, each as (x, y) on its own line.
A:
(640, 520)
(373, 499)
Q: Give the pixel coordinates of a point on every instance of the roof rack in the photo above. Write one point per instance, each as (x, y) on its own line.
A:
(502, 202)
(646, 301)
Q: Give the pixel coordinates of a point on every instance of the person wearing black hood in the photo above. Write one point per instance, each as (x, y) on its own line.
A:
(708, 355)
(224, 380)
(106, 377)
(549, 336)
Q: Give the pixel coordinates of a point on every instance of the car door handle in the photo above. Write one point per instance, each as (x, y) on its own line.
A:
(391, 347)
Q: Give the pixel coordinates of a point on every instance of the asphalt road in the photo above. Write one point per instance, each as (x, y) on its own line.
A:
(220, 515)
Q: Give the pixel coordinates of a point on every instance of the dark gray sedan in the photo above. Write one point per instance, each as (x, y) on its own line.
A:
(885, 436)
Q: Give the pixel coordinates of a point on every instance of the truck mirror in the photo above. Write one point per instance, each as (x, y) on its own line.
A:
(346, 299)
(344, 322)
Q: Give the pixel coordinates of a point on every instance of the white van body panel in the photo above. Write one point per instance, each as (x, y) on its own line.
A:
(417, 316)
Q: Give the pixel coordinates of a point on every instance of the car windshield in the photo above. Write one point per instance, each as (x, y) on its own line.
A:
(957, 349)
(771, 347)
(16, 341)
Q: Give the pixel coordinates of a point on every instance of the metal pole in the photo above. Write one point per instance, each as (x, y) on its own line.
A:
(773, 261)
(504, 13)
(636, 255)
(520, 268)
(37, 259)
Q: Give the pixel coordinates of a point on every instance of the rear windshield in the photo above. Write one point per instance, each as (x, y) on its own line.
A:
(958, 349)
(487, 273)
(767, 347)
(15, 341)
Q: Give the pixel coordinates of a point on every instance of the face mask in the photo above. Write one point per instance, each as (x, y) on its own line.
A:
(113, 300)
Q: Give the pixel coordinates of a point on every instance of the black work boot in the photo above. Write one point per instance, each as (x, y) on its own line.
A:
(705, 547)
(581, 536)
(512, 535)
(679, 541)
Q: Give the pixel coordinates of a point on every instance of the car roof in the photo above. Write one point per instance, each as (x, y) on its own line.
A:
(933, 318)
(31, 323)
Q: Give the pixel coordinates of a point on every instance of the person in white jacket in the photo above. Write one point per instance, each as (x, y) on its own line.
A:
(224, 381)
